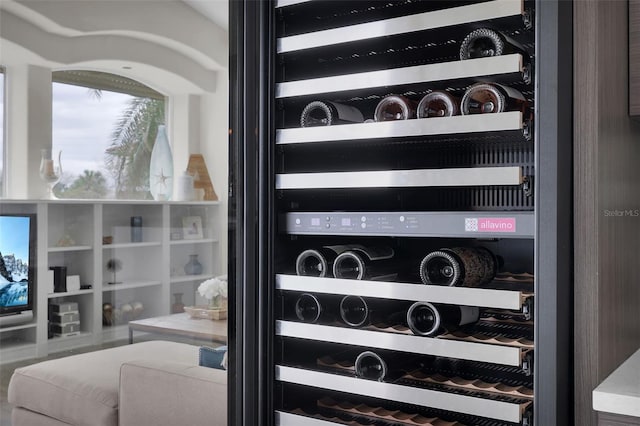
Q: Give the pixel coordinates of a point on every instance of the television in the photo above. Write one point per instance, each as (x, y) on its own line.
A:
(17, 263)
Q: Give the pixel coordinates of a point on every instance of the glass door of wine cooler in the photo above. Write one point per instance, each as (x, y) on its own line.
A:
(410, 250)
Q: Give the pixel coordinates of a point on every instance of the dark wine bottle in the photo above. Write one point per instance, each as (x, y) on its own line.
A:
(373, 366)
(370, 365)
(324, 113)
(427, 319)
(366, 263)
(318, 262)
(485, 42)
(487, 98)
(312, 308)
(437, 104)
(357, 312)
(395, 107)
(459, 266)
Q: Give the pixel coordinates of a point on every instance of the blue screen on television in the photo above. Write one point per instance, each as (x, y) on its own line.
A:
(15, 240)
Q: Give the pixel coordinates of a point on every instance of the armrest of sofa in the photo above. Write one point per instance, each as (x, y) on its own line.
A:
(168, 393)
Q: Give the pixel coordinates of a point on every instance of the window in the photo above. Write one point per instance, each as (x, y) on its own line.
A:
(103, 132)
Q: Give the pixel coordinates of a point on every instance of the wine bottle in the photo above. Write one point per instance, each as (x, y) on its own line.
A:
(459, 266)
(395, 107)
(366, 263)
(318, 262)
(357, 312)
(373, 366)
(485, 42)
(312, 308)
(437, 104)
(324, 113)
(485, 98)
(427, 319)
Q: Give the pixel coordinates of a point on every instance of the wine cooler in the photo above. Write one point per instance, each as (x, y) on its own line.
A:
(409, 184)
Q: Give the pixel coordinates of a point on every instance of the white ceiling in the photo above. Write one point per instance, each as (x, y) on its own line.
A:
(215, 10)
(171, 46)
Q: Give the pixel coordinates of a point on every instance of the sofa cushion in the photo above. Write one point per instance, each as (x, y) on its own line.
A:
(164, 393)
(20, 416)
(83, 389)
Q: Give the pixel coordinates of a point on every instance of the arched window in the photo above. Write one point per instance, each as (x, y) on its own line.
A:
(104, 126)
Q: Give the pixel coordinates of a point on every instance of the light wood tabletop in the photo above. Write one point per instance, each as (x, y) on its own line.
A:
(182, 325)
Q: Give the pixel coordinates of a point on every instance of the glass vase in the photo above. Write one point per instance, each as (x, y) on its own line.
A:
(178, 305)
(161, 167)
(193, 266)
(214, 302)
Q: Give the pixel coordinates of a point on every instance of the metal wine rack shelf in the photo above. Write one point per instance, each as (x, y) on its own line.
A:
(510, 126)
(471, 176)
(400, 25)
(471, 351)
(411, 224)
(288, 419)
(502, 410)
(481, 297)
(284, 3)
(503, 66)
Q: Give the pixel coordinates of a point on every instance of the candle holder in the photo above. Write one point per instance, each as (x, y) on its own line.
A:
(50, 172)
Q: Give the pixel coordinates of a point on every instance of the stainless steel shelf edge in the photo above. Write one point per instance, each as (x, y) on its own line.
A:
(284, 3)
(409, 75)
(288, 419)
(486, 298)
(500, 410)
(401, 25)
(506, 121)
(471, 176)
(413, 224)
(496, 354)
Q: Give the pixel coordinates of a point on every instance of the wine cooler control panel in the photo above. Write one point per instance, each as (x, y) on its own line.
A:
(416, 224)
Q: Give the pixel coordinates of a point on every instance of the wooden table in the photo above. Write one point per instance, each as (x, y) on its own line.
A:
(182, 325)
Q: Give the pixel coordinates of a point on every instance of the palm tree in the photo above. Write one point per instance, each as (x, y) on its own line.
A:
(90, 184)
(132, 141)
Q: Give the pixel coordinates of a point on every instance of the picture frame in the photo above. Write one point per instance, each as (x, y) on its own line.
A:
(192, 228)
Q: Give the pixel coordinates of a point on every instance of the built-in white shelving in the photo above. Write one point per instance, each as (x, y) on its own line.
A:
(83, 236)
(129, 285)
(69, 249)
(190, 278)
(69, 293)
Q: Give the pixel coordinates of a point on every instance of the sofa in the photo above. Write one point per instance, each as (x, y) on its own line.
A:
(154, 383)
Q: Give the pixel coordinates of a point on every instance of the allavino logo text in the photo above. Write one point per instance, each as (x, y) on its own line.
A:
(490, 224)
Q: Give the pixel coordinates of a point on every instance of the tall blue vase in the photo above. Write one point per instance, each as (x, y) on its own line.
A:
(161, 167)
